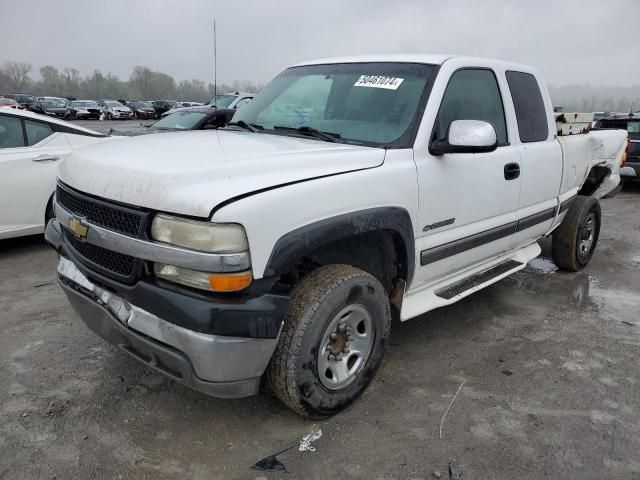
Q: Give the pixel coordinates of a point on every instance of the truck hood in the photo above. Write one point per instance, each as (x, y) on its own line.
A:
(190, 173)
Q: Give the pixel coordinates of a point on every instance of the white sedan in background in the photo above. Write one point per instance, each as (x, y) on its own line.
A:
(31, 148)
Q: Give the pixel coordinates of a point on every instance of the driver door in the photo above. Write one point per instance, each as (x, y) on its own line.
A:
(467, 206)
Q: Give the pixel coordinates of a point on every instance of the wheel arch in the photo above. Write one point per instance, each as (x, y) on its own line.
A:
(596, 176)
(292, 247)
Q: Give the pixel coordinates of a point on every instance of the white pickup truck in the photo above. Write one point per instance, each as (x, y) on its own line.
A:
(349, 190)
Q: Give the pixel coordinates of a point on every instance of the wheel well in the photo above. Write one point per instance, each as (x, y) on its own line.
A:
(48, 211)
(380, 253)
(596, 176)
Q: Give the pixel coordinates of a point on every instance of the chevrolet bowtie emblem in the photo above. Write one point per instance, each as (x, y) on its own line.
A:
(77, 228)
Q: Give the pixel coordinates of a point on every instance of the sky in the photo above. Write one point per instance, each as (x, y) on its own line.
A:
(570, 41)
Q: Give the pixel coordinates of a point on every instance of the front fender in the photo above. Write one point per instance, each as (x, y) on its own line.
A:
(291, 247)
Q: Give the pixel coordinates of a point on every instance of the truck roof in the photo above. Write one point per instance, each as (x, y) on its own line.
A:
(433, 59)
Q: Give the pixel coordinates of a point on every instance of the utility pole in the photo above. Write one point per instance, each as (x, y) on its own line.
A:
(215, 65)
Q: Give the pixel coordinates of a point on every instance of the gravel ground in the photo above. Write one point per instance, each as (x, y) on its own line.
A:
(537, 375)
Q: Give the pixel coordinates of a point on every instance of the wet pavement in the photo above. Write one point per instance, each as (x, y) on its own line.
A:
(537, 375)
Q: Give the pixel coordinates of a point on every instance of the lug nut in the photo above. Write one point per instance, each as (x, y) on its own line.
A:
(333, 336)
(341, 328)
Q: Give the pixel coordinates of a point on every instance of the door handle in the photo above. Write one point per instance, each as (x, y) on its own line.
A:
(46, 158)
(511, 171)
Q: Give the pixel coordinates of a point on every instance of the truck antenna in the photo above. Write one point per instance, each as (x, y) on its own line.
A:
(215, 65)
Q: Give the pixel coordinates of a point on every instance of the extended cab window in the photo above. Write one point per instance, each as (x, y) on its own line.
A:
(11, 135)
(472, 94)
(36, 131)
(530, 111)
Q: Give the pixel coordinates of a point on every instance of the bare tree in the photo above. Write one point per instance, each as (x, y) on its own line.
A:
(16, 75)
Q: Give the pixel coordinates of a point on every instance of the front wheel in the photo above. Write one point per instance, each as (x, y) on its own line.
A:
(334, 337)
(575, 240)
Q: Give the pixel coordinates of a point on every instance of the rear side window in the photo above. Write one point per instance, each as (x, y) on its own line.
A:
(36, 131)
(530, 111)
(11, 135)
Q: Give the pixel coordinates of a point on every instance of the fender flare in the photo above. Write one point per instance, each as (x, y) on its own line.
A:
(291, 247)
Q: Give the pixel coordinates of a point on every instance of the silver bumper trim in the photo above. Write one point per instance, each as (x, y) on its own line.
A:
(158, 252)
(628, 172)
(214, 358)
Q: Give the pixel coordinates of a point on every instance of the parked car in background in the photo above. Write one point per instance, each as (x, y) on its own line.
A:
(202, 118)
(162, 106)
(53, 99)
(9, 103)
(25, 100)
(85, 109)
(142, 110)
(31, 148)
(191, 104)
(630, 169)
(114, 110)
(231, 101)
(53, 106)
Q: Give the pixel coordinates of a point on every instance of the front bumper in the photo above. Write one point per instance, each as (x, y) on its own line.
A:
(118, 114)
(219, 366)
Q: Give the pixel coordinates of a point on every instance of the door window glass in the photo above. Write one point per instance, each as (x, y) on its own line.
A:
(11, 135)
(36, 131)
(472, 94)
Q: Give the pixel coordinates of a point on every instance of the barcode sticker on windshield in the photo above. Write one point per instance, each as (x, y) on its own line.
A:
(376, 81)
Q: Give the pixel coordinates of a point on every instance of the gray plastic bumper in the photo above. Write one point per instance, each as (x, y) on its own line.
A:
(219, 366)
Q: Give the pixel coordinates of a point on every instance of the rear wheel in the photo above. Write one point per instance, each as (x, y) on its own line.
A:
(333, 340)
(575, 240)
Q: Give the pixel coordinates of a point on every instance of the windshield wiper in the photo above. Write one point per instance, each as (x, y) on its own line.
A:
(312, 132)
(251, 127)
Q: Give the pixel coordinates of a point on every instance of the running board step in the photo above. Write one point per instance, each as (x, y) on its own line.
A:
(478, 279)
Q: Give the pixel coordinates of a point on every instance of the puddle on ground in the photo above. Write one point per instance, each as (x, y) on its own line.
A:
(270, 463)
(618, 305)
(543, 265)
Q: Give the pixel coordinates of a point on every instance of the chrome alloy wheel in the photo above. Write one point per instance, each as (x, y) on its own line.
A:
(345, 347)
(587, 234)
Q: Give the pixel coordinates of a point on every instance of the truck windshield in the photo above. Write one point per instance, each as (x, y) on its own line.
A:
(375, 104)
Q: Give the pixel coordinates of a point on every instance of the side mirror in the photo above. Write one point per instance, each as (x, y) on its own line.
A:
(466, 136)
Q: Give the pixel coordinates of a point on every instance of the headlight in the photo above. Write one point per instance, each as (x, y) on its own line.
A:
(216, 282)
(201, 236)
(222, 238)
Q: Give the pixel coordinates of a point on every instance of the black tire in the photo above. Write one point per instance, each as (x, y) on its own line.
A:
(292, 374)
(109, 116)
(567, 249)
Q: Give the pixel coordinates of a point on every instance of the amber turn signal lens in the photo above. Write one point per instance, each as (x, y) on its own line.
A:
(230, 282)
